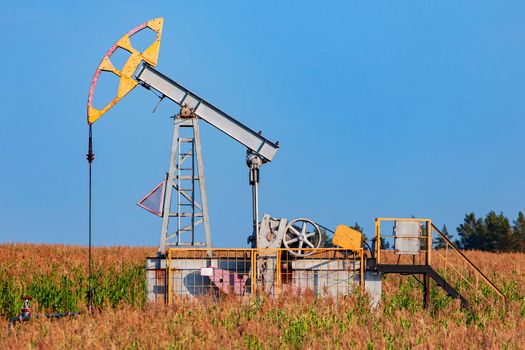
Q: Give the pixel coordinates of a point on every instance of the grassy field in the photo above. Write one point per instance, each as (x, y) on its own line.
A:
(56, 277)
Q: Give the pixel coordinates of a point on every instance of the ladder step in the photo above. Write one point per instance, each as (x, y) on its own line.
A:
(185, 168)
(185, 140)
(186, 215)
(186, 177)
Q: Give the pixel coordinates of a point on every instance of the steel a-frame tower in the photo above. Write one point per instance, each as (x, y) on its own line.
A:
(185, 204)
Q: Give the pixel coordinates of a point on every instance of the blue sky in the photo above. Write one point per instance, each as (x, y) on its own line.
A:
(381, 109)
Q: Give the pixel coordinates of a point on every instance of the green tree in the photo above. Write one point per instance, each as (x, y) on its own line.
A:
(384, 244)
(326, 239)
(360, 229)
(492, 233)
(498, 233)
(519, 233)
(471, 232)
(440, 243)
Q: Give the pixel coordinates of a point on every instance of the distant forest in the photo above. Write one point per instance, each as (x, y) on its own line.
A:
(493, 233)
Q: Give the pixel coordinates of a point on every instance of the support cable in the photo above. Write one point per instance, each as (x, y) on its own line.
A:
(90, 156)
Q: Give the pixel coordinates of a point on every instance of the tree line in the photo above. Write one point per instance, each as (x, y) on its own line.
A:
(493, 233)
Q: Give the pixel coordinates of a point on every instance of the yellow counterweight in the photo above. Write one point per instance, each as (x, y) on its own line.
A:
(347, 237)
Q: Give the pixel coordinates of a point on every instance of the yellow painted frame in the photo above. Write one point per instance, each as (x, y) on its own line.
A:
(422, 220)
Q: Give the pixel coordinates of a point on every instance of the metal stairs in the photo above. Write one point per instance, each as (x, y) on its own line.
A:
(427, 271)
(448, 266)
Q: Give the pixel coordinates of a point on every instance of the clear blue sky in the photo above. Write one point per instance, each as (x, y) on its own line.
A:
(381, 108)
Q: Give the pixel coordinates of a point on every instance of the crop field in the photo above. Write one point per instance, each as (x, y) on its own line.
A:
(56, 277)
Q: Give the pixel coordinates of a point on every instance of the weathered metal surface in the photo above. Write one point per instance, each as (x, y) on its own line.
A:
(126, 81)
(407, 237)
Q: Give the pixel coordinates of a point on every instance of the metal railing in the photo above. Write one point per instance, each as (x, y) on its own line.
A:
(449, 261)
(384, 255)
(244, 273)
(449, 256)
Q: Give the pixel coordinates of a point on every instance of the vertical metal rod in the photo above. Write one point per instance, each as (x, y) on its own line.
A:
(254, 163)
(253, 273)
(255, 207)
(169, 277)
(193, 190)
(429, 241)
(90, 297)
(362, 270)
(278, 272)
(166, 275)
(90, 157)
(378, 241)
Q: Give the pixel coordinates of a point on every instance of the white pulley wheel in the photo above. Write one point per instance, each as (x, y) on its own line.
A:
(302, 237)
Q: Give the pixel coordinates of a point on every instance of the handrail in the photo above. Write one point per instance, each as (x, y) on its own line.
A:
(453, 268)
(485, 278)
(427, 237)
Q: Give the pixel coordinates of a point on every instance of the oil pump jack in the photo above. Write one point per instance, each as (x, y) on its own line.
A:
(185, 178)
(284, 254)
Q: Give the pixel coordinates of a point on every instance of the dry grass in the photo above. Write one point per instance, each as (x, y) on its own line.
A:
(34, 259)
(288, 322)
